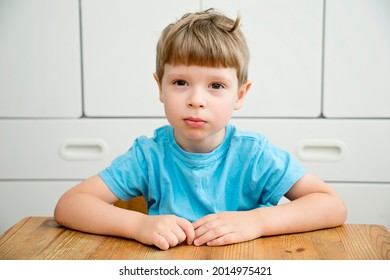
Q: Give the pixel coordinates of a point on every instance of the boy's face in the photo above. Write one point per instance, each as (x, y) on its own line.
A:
(199, 102)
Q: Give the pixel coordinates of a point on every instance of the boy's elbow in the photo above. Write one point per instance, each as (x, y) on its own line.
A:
(344, 214)
(59, 213)
(341, 213)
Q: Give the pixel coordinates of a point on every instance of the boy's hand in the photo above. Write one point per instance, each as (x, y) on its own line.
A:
(225, 228)
(165, 231)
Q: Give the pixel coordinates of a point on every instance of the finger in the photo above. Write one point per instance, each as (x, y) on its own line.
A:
(203, 220)
(160, 242)
(180, 234)
(188, 230)
(165, 240)
(210, 235)
(172, 238)
(207, 227)
(226, 239)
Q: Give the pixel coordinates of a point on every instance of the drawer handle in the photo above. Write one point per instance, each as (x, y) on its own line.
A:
(83, 149)
(321, 150)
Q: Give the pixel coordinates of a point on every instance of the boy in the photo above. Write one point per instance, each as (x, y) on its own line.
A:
(205, 181)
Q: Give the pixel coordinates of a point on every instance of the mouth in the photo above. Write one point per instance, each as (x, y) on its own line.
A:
(194, 122)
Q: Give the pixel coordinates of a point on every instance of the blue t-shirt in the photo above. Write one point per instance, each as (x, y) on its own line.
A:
(244, 172)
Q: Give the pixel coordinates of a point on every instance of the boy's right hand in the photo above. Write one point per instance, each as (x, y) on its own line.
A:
(165, 231)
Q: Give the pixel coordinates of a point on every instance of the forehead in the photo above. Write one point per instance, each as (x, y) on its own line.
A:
(228, 73)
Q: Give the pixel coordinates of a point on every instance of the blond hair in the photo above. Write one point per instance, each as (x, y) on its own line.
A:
(205, 38)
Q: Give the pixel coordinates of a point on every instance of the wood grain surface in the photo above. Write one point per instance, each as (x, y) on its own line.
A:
(41, 238)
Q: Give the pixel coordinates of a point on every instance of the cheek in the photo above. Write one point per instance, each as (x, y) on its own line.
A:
(171, 107)
(223, 113)
(226, 107)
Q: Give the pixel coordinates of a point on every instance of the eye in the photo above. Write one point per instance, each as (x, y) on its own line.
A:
(180, 83)
(216, 86)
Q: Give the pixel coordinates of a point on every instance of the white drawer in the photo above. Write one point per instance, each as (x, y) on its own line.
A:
(20, 199)
(65, 149)
(366, 203)
(335, 150)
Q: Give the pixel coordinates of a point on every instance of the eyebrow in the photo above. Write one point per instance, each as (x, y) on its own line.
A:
(210, 78)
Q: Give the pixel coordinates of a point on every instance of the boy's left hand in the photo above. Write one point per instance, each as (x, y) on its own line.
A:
(225, 228)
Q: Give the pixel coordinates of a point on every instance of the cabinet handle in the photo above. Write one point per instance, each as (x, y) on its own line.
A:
(83, 149)
(321, 150)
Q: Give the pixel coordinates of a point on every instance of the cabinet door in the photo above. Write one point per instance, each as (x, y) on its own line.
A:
(119, 42)
(285, 41)
(366, 203)
(20, 199)
(334, 150)
(357, 59)
(40, 73)
(66, 149)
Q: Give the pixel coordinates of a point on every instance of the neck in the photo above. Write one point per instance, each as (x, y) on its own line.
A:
(200, 146)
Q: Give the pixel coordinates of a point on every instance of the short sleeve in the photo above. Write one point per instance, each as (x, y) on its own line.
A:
(276, 171)
(126, 175)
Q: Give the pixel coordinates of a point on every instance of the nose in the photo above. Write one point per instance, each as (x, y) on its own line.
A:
(196, 99)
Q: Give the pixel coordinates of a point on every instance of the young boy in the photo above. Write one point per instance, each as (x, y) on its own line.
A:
(205, 181)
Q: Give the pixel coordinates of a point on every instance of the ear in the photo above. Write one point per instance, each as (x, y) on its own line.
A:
(241, 94)
(159, 86)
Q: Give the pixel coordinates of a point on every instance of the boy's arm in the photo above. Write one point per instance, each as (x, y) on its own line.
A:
(89, 207)
(314, 205)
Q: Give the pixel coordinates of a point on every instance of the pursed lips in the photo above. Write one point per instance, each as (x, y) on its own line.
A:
(194, 122)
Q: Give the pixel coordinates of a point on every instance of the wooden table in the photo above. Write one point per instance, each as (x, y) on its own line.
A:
(41, 238)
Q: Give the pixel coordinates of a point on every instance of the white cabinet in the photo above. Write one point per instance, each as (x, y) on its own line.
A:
(22, 199)
(40, 72)
(366, 203)
(66, 149)
(119, 53)
(334, 150)
(285, 41)
(357, 59)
